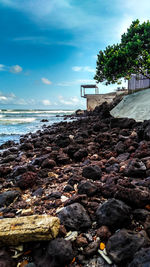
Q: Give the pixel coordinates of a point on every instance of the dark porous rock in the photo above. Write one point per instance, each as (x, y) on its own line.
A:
(72, 149)
(74, 217)
(62, 141)
(120, 147)
(9, 158)
(8, 197)
(44, 120)
(26, 180)
(4, 170)
(55, 195)
(92, 172)
(122, 123)
(22, 169)
(26, 146)
(74, 180)
(147, 225)
(135, 168)
(48, 163)
(123, 157)
(62, 159)
(113, 213)
(141, 258)
(91, 249)
(135, 197)
(38, 192)
(60, 252)
(103, 232)
(68, 188)
(5, 259)
(113, 168)
(141, 214)
(80, 154)
(122, 246)
(87, 188)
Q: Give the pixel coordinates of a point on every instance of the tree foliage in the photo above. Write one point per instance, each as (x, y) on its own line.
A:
(132, 55)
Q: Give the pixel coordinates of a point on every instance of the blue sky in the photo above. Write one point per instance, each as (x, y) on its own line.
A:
(49, 47)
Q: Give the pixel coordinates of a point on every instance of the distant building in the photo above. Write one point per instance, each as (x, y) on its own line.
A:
(137, 82)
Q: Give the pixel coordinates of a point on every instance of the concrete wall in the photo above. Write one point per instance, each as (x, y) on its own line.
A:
(96, 100)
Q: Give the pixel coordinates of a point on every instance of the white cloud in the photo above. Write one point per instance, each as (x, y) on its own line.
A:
(45, 81)
(15, 69)
(72, 101)
(84, 69)
(46, 102)
(2, 67)
(76, 68)
(76, 82)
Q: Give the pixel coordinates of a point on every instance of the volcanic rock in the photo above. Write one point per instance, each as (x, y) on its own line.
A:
(141, 258)
(74, 217)
(92, 172)
(113, 213)
(26, 180)
(87, 188)
(122, 246)
(8, 197)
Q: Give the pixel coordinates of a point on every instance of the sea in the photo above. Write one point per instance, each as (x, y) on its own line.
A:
(14, 123)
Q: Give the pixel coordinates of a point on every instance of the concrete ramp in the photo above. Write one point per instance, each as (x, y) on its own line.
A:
(136, 106)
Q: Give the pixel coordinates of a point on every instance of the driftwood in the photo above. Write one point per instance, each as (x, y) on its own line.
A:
(29, 228)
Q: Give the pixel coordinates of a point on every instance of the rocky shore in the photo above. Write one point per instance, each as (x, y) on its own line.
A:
(94, 175)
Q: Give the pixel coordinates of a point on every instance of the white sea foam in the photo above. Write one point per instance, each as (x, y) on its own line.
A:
(36, 111)
(16, 120)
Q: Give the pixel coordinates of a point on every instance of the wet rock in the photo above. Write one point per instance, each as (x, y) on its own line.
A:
(141, 258)
(92, 172)
(113, 213)
(87, 188)
(48, 163)
(60, 252)
(26, 180)
(122, 246)
(135, 168)
(74, 217)
(44, 120)
(8, 197)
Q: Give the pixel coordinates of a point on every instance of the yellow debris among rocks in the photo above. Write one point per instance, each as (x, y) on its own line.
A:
(28, 228)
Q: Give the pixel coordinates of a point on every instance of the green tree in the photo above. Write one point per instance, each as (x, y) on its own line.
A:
(132, 55)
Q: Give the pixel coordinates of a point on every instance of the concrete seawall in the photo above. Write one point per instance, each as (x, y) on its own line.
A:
(94, 100)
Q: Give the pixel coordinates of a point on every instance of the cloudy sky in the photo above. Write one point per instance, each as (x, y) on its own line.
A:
(49, 47)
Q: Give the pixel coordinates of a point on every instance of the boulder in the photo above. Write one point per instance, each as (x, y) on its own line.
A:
(74, 217)
(92, 172)
(48, 163)
(141, 258)
(122, 246)
(113, 213)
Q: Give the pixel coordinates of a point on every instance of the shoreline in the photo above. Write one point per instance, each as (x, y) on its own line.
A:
(96, 170)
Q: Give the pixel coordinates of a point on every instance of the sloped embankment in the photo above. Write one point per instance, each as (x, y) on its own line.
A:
(136, 106)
